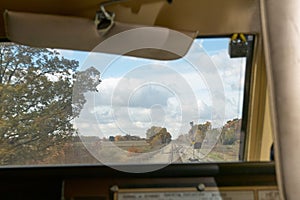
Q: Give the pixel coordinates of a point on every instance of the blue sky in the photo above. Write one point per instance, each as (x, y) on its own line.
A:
(136, 94)
(216, 44)
(211, 46)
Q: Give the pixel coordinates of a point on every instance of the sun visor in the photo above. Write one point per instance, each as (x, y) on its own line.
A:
(64, 32)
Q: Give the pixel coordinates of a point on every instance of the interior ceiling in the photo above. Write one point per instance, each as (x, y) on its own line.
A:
(209, 17)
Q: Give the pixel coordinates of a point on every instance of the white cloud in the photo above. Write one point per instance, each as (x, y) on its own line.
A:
(169, 94)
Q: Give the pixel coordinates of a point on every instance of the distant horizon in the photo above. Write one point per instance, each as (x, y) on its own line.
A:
(144, 137)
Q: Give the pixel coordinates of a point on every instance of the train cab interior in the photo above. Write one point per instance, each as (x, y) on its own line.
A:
(149, 99)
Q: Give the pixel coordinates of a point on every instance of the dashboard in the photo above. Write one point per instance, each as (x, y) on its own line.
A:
(230, 181)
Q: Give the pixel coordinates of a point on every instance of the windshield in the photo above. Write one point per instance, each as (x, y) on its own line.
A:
(62, 107)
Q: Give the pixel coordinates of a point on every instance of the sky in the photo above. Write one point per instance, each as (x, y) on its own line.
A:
(135, 93)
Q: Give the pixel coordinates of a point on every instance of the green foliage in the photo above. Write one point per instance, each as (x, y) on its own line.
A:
(161, 137)
(36, 87)
(198, 132)
(127, 137)
(152, 131)
(231, 132)
(228, 137)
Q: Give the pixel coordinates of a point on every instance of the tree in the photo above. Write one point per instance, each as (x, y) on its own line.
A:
(118, 138)
(161, 137)
(231, 132)
(36, 110)
(198, 132)
(152, 131)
